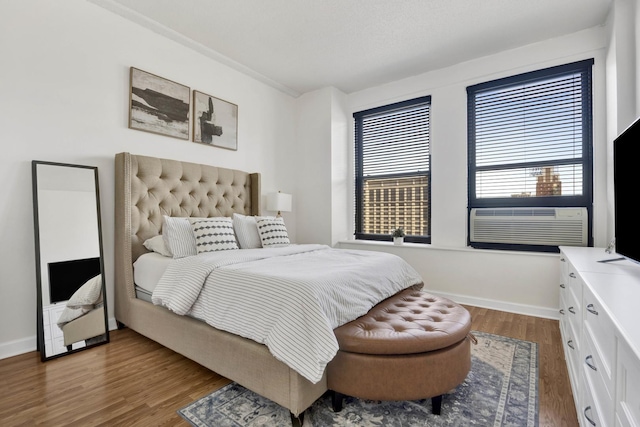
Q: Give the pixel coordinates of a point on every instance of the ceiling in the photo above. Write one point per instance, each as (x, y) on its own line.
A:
(303, 45)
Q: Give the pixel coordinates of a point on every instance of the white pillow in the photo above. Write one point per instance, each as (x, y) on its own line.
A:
(213, 234)
(272, 231)
(88, 294)
(246, 230)
(156, 244)
(178, 236)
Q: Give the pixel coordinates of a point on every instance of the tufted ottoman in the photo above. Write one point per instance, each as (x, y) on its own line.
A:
(410, 346)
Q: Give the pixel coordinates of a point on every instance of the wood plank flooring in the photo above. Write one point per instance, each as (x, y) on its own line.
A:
(133, 381)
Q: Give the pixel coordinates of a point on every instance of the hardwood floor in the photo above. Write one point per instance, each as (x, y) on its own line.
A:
(133, 381)
(554, 390)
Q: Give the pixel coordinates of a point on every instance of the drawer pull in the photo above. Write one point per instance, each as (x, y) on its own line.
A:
(572, 310)
(588, 408)
(572, 275)
(562, 311)
(590, 364)
(592, 310)
(570, 344)
(562, 285)
(563, 260)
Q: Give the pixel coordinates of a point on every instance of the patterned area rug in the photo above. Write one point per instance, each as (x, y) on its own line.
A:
(500, 390)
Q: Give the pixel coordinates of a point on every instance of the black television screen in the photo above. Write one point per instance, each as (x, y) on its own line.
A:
(66, 277)
(626, 170)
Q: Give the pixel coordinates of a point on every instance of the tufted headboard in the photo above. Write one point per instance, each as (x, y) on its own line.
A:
(148, 188)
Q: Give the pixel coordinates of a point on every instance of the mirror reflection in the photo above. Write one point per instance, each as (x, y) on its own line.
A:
(69, 264)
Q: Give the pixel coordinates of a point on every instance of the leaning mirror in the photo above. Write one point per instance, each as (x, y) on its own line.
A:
(71, 306)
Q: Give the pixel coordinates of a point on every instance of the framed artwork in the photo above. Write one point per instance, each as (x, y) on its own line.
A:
(215, 121)
(158, 105)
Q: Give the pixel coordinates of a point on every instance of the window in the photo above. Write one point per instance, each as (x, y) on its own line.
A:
(530, 142)
(393, 175)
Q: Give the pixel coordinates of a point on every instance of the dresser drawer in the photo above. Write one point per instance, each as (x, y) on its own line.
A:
(564, 314)
(574, 315)
(601, 386)
(574, 282)
(571, 345)
(589, 412)
(564, 269)
(599, 326)
(628, 387)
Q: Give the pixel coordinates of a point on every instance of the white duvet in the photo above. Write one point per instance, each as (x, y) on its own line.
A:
(288, 298)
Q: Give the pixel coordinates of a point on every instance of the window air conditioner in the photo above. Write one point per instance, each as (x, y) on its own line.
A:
(530, 226)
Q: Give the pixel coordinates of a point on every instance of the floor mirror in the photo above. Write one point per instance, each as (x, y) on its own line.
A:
(71, 307)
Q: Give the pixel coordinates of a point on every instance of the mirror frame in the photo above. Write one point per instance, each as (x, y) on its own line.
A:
(40, 341)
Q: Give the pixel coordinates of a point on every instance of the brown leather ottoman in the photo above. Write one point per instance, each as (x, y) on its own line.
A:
(411, 346)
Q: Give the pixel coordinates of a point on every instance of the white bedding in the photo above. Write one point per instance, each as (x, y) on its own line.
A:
(288, 298)
(148, 270)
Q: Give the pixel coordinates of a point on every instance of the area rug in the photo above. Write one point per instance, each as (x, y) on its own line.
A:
(500, 390)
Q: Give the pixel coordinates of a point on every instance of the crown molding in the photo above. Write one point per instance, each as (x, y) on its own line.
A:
(164, 31)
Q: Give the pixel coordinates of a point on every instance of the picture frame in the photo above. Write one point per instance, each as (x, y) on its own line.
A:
(215, 121)
(158, 105)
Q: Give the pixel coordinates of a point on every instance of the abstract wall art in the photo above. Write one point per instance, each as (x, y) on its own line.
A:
(215, 121)
(158, 105)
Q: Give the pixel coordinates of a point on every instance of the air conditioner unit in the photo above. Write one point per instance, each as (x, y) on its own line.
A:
(530, 226)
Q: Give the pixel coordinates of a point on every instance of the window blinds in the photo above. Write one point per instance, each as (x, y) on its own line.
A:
(392, 170)
(531, 129)
(396, 141)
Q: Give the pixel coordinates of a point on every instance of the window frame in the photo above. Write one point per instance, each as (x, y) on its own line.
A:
(360, 178)
(584, 200)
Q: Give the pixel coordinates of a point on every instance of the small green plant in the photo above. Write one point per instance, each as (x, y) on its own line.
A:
(398, 232)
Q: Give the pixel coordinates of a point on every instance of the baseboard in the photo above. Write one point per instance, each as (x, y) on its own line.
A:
(529, 310)
(14, 348)
(26, 345)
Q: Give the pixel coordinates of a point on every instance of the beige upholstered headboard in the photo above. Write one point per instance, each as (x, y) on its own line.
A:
(151, 187)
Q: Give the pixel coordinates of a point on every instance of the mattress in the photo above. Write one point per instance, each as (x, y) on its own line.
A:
(147, 271)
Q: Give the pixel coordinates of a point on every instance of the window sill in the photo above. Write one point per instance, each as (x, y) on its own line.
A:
(430, 247)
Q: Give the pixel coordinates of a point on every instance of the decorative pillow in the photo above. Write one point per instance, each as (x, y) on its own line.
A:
(156, 244)
(178, 236)
(246, 230)
(88, 294)
(272, 231)
(213, 234)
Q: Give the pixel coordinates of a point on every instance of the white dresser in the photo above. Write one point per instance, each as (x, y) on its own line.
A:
(600, 327)
(53, 338)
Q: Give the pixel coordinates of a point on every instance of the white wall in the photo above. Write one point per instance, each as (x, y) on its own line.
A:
(622, 83)
(526, 283)
(64, 90)
(313, 167)
(64, 97)
(341, 168)
(324, 194)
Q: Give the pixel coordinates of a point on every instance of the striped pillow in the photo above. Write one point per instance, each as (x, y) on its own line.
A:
(246, 231)
(178, 236)
(272, 231)
(213, 234)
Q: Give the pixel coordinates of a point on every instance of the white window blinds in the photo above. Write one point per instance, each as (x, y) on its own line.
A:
(392, 169)
(528, 135)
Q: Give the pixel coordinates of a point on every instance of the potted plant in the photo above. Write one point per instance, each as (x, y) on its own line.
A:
(398, 236)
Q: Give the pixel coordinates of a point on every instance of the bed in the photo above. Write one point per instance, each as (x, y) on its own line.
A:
(149, 188)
